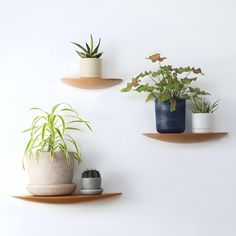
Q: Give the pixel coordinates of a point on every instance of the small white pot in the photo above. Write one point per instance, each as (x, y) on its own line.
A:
(202, 122)
(91, 67)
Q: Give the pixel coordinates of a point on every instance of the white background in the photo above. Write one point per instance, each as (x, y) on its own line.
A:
(168, 189)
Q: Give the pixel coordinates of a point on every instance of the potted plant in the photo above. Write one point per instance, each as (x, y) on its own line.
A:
(51, 150)
(91, 182)
(202, 114)
(170, 87)
(90, 61)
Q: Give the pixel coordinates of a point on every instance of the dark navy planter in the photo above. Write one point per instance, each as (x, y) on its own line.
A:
(170, 122)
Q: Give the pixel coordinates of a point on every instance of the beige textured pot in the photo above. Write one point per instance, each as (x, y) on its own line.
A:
(50, 177)
(91, 67)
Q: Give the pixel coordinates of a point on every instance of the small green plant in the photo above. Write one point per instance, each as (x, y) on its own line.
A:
(89, 51)
(91, 174)
(49, 132)
(203, 105)
(167, 83)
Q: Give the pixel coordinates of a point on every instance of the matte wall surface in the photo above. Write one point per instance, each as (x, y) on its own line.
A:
(168, 189)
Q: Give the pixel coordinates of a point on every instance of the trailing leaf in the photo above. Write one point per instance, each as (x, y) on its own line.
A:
(156, 57)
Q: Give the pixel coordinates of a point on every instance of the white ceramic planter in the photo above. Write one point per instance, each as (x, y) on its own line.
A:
(202, 122)
(91, 67)
(50, 177)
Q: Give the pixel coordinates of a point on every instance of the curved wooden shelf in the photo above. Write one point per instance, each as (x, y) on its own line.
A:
(75, 198)
(91, 83)
(186, 137)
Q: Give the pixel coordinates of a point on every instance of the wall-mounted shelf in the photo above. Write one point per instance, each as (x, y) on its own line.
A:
(186, 137)
(75, 198)
(92, 83)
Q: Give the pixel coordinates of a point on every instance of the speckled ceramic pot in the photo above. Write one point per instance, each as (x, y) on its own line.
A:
(47, 175)
(50, 172)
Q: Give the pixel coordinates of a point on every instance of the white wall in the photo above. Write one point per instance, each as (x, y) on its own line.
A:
(168, 189)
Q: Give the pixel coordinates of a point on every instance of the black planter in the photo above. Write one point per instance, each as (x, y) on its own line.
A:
(170, 122)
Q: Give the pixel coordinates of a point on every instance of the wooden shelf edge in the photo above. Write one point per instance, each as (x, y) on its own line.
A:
(91, 83)
(74, 198)
(186, 137)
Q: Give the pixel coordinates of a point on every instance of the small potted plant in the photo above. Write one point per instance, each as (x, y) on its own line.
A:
(202, 114)
(90, 61)
(170, 87)
(91, 182)
(51, 150)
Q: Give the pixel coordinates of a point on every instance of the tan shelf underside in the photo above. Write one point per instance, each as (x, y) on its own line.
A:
(186, 137)
(91, 83)
(75, 198)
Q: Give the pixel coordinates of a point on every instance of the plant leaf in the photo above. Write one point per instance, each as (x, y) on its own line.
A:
(83, 55)
(43, 130)
(81, 47)
(91, 44)
(96, 49)
(98, 55)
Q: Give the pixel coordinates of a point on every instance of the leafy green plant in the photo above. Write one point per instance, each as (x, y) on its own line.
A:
(91, 174)
(88, 51)
(167, 83)
(49, 132)
(202, 105)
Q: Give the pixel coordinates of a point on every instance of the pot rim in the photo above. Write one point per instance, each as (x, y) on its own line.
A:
(202, 113)
(177, 99)
(91, 58)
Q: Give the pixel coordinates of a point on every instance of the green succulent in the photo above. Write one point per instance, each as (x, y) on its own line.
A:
(88, 51)
(91, 174)
(203, 105)
(167, 83)
(49, 132)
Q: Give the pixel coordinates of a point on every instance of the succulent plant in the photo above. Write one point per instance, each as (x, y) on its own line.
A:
(88, 51)
(91, 174)
(202, 105)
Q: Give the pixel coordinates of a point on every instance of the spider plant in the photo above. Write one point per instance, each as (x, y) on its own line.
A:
(203, 105)
(88, 51)
(49, 132)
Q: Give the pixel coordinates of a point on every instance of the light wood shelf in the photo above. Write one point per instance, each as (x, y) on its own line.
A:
(74, 198)
(91, 83)
(186, 137)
